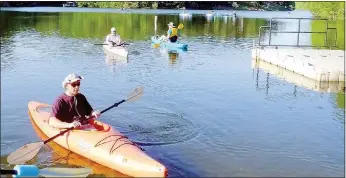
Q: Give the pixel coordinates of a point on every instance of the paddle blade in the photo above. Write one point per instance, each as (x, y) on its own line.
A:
(156, 45)
(135, 94)
(180, 26)
(65, 172)
(24, 153)
(88, 45)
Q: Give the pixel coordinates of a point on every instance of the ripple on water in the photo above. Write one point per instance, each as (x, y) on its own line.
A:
(162, 128)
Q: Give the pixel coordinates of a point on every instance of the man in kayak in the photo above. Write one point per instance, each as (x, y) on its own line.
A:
(71, 107)
(172, 34)
(113, 39)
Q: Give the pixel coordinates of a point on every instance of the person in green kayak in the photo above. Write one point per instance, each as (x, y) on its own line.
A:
(172, 34)
(71, 107)
(113, 39)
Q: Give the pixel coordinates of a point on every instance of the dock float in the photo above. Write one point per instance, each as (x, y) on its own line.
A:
(297, 79)
(316, 64)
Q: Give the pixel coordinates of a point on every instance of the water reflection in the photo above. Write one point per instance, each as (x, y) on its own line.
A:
(173, 56)
(129, 26)
(337, 89)
(112, 59)
(7, 50)
(114, 62)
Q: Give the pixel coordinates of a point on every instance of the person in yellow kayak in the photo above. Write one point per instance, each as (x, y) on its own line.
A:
(113, 39)
(71, 107)
(172, 34)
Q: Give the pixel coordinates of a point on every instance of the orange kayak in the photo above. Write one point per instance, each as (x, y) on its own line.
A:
(60, 155)
(104, 145)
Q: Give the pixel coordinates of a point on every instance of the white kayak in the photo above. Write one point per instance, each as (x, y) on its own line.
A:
(117, 50)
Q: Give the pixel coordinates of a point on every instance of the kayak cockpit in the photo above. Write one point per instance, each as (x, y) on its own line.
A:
(92, 127)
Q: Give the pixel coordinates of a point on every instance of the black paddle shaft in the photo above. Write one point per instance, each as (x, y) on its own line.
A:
(114, 105)
(85, 121)
(11, 172)
(115, 45)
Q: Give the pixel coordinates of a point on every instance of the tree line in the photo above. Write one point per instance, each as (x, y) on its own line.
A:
(330, 10)
(206, 5)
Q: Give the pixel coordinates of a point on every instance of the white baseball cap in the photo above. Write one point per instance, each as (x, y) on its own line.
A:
(171, 24)
(70, 78)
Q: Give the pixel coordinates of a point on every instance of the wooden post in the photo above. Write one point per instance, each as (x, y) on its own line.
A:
(155, 24)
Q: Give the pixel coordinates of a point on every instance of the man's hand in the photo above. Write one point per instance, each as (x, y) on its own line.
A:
(74, 124)
(96, 114)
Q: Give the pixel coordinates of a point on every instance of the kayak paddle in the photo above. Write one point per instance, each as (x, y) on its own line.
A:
(107, 44)
(90, 44)
(180, 26)
(33, 171)
(29, 151)
(116, 45)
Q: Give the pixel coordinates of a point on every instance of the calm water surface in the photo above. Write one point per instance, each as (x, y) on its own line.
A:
(204, 112)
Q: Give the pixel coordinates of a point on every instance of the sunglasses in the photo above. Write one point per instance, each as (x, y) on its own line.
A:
(75, 84)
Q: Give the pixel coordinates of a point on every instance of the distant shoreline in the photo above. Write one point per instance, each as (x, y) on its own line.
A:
(223, 5)
(216, 13)
(219, 9)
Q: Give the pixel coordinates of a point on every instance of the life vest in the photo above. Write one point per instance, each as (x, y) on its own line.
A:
(174, 32)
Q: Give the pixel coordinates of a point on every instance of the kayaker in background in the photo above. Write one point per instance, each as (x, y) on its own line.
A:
(113, 39)
(172, 34)
(71, 107)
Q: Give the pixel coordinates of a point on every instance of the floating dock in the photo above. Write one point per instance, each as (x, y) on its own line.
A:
(319, 65)
(297, 79)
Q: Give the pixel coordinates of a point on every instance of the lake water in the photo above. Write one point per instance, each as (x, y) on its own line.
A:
(204, 112)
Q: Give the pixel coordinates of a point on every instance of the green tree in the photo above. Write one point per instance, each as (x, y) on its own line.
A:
(329, 10)
(335, 12)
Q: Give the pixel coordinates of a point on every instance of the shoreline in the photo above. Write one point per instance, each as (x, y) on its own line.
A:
(243, 13)
(177, 9)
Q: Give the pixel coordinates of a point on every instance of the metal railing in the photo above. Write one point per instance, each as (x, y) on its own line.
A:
(298, 33)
